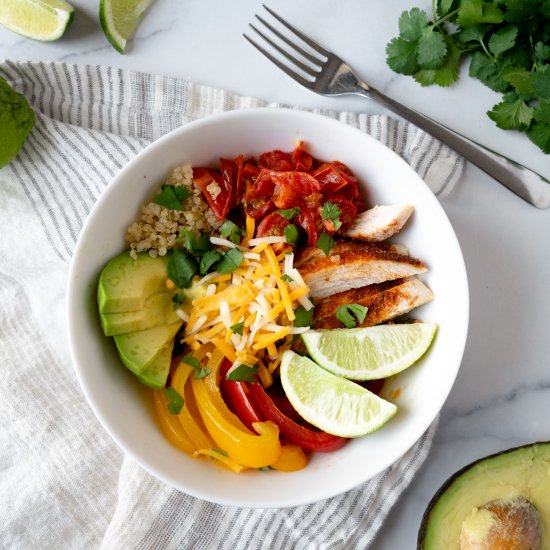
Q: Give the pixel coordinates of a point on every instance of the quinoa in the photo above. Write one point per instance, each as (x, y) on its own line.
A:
(157, 227)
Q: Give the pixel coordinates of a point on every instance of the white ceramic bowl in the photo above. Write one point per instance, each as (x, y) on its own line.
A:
(123, 406)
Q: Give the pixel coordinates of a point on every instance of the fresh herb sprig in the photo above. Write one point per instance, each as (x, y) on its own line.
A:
(508, 44)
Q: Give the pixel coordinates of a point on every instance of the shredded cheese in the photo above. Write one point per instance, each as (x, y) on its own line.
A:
(254, 298)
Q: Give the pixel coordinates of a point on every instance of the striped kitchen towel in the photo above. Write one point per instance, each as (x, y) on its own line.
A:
(65, 484)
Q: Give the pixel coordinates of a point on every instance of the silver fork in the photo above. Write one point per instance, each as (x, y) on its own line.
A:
(327, 74)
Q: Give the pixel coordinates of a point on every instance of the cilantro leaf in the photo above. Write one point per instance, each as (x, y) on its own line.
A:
(475, 33)
(542, 113)
(237, 328)
(511, 115)
(211, 258)
(542, 52)
(520, 79)
(230, 261)
(304, 317)
(181, 268)
(331, 211)
(432, 49)
(231, 231)
(412, 23)
(503, 39)
(446, 74)
(191, 360)
(402, 56)
(291, 233)
(473, 12)
(541, 83)
(199, 373)
(178, 299)
(243, 373)
(175, 400)
(325, 242)
(289, 213)
(488, 71)
(195, 245)
(349, 314)
(539, 134)
(172, 196)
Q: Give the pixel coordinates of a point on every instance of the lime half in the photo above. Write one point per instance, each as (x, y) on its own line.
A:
(44, 20)
(120, 19)
(332, 404)
(369, 353)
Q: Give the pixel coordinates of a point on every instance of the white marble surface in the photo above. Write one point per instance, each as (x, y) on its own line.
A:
(500, 398)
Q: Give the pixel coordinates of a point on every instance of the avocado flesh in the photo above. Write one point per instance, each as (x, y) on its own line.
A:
(125, 283)
(157, 310)
(156, 373)
(521, 472)
(139, 349)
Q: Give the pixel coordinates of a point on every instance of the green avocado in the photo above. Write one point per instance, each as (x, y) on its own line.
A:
(139, 349)
(156, 373)
(504, 495)
(157, 310)
(125, 284)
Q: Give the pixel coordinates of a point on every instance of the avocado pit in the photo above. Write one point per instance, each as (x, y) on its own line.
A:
(504, 524)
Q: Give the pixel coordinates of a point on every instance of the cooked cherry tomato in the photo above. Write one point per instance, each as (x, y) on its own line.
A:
(272, 224)
(215, 189)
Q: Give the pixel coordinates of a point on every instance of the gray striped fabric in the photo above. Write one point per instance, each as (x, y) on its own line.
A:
(64, 483)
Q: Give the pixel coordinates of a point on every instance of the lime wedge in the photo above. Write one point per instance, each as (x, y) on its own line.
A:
(44, 20)
(332, 404)
(120, 19)
(369, 353)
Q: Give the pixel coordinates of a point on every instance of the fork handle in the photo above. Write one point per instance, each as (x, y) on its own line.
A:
(524, 182)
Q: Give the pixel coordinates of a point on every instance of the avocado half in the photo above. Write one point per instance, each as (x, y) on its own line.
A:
(521, 473)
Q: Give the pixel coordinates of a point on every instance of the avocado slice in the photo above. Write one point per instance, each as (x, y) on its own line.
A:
(464, 501)
(125, 283)
(139, 349)
(157, 310)
(156, 373)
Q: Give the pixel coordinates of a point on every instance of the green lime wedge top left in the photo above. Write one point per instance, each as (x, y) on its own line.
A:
(44, 20)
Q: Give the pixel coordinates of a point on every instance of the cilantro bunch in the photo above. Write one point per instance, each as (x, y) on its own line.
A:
(507, 43)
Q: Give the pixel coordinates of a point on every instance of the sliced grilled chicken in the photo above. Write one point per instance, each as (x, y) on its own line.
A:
(385, 301)
(379, 223)
(354, 265)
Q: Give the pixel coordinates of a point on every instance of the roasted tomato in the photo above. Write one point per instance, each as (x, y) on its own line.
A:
(272, 224)
(215, 189)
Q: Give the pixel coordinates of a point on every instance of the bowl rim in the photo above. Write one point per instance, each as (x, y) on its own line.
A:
(73, 287)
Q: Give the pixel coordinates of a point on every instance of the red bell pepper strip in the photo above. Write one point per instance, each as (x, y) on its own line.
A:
(236, 397)
(294, 432)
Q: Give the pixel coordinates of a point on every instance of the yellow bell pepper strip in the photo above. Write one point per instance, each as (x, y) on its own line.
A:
(292, 459)
(200, 439)
(220, 459)
(170, 425)
(229, 433)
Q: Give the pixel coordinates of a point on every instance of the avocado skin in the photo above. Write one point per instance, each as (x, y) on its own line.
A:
(538, 452)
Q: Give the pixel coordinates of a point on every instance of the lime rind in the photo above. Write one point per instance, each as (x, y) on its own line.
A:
(370, 353)
(42, 20)
(329, 402)
(120, 18)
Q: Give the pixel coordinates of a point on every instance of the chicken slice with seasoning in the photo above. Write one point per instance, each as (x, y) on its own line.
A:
(385, 301)
(354, 265)
(379, 223)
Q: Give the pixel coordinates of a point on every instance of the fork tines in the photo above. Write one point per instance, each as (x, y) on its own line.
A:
(315, 62)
